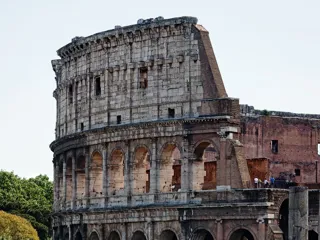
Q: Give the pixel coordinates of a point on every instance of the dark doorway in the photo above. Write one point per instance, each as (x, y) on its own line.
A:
(241, 234)
(138, 235)
(283, 218)
(313, 235)
(78, 236)
(202, 234)
(94, 236)
(168, 235)
(114, 236)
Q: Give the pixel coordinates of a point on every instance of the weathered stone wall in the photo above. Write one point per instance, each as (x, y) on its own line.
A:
(136, 73)
(297, 144)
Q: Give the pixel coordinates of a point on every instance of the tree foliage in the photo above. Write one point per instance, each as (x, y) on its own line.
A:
(30, 198)
(13, 227)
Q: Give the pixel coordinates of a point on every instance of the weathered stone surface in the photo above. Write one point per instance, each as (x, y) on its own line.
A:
(148, 143)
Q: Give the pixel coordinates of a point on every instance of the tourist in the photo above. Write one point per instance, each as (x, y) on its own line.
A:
(256, 181)
(272, 181)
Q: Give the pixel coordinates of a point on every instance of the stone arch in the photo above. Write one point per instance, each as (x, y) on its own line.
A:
(202, 234)
(241, 234)
(80, 176)
(114, 235)
(284, 217)
(141, 170)
(138, 235)
(78, 236)
(168, 235)
(96, 172)
(94, 236)
(116, 172)
(170, 168)
(204, 165)
(69, 179)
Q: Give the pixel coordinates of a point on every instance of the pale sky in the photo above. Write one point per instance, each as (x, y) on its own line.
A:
(268, 53)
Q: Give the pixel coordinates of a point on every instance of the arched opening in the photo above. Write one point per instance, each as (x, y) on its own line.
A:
(138, 235)
(96, 175)
(241, 234)
(94, 236)
(69, 179)
(116, 173)
(141, 170)
(312, 235)
(80, 176)
(114, 236)
(168, 235)
(204, 167)
(170, 169)
(202, 234)
(78, 236)
(284, 218)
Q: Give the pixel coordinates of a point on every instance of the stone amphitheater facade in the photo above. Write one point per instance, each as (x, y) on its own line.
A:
(147, 141)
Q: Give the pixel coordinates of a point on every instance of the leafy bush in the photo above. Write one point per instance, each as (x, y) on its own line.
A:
(30, 198)
(13, 227)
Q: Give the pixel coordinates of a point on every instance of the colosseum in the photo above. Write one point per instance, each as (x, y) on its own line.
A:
(149, 145)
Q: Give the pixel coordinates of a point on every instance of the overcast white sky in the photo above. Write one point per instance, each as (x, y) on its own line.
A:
(268, 53)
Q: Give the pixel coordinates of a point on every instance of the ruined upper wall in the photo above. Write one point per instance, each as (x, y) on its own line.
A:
(247, 110)
(155, 70)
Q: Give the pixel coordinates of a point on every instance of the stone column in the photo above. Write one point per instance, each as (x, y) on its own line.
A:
(154, 188)
(56, 183)
(64, 182)
(221, 165)
(219, 229)
(70, 232)
(74, 180)
(127, 173)
(105, 173)
(298, 213)
(261, 228)
(87, 175)
(186, 169)
(150, 228)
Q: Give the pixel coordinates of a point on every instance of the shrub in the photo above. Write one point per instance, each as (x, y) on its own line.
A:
(13, 227)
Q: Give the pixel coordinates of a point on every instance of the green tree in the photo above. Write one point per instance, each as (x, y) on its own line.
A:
(13, 227)
(30, 198)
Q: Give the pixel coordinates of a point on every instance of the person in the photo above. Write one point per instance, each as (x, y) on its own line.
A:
(266, 183)
(260, 183)
(256, 180)
(272, 181)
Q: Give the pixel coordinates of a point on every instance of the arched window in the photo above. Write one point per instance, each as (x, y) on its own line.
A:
(96, 175)
(241, 234)
(116, 173)
(204, 167)
(141, 170)
(168, 235)
(170, 169)
(138, 235)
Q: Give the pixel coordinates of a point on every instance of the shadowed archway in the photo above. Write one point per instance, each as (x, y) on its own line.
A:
(241, 234)
(168, 235)
(114, 236)
(78, 236)
(138, 235)
(312, 235)
(284, 218)
(202, 234)
(94, 236)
